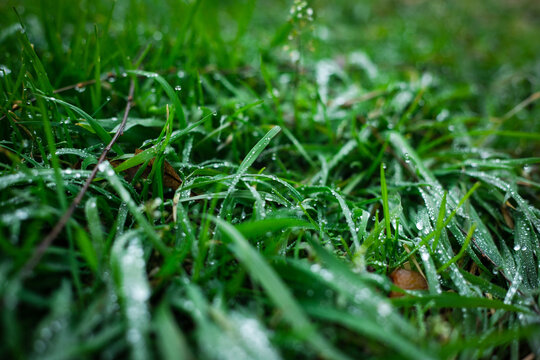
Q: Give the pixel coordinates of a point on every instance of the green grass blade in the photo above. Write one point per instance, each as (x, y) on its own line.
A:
(42, 76)
(128, 264)
(348, 217)
(171, 342)
(453, 300)
(276, 290)
(173, 96)
(371, 307)
(461, 251)
(439, 226)
(386, 210)
(109, 174)
(250, 159)
(96, 126)
(405, 348)
(87, 250)
(251, 229)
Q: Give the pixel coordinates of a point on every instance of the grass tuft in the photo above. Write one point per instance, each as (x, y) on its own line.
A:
(315, 149)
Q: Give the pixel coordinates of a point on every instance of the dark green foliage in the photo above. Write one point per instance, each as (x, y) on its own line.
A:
(321, 145)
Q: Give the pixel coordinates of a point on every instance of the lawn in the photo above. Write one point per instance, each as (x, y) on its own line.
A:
(207, 179)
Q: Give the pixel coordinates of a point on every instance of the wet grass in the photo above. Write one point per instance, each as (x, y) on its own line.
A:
(320, 147)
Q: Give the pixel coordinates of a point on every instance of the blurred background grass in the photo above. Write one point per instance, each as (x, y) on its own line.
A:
(486, 52)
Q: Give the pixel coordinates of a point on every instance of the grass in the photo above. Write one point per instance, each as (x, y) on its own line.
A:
(320, 147)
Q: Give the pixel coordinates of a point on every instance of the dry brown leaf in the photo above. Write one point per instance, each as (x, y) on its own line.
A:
(407, 280)
(171, 179)
(507, 216)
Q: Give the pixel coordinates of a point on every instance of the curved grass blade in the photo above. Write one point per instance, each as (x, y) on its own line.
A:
(128, 264)
(344, 208)
(298, 146)
(46, 175)
(43, 79)
(251, 229)
(461, 251)
(368, 310)
(173, 96)
(372, 329)
(348, 217)
(454, 300)
(249, 160)
(87, 249)
(171, 342)
(494, 338)
(100, 131)
(386, 210)
(431, 271)
(175, 135)
(276, 290)
(94, 222)
(115, 182)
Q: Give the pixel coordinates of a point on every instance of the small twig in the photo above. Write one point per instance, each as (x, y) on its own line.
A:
(365, 97)
(47, 241)
(522, 105)
(79, 85)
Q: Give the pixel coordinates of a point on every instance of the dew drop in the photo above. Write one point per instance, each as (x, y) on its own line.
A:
(80, 88)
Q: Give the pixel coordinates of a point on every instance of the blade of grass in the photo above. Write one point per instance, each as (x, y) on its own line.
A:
(251, 229)
(171, 342)
(453, 300)
(247, 162)
(42, 76)
(173, 96)
(461, 251)
(129, 268)
(87, 250)
(277, 291)
(109, 174)
(100, 131)
(384, 192)
(439, 226)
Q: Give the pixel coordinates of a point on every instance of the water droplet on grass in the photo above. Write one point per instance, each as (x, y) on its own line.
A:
(384, 309)
(4, 70)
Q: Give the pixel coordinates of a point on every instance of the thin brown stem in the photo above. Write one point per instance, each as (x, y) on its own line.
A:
(47, 241)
